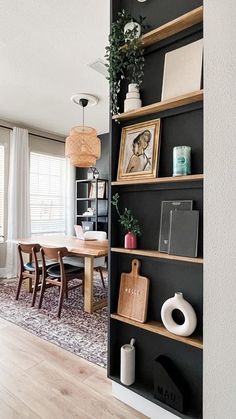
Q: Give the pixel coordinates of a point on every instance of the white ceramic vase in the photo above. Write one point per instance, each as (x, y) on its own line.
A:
(132, 100)
(127, 363)
(190, 319)
(130, 27)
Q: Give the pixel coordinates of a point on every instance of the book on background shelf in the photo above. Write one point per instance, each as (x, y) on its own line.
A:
(100, 188)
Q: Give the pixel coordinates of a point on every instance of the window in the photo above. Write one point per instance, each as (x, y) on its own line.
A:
(2, 190)
(47, 193)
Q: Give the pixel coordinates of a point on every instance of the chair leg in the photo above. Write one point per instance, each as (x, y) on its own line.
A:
(66, 291)
(19, 286)
(43, 286)
(101, 274)
(82, 284)
(61, 298)
(36, 285)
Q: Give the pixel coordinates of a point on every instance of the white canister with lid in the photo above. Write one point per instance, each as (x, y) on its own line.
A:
(182, 160)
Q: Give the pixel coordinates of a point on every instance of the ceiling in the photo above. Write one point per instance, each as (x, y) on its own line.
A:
(45, 49)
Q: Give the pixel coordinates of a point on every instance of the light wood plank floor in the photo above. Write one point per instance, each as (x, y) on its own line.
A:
(38, 380)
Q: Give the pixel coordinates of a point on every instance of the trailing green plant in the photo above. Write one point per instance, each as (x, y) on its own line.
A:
(126, 219)
(124, 62)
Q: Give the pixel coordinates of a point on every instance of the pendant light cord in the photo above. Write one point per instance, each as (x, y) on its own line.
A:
(83, 118)
(83, 103)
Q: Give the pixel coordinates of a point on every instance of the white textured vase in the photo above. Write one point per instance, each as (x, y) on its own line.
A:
(190, 319)
(127, 363)
(132, 100)
(130, 27)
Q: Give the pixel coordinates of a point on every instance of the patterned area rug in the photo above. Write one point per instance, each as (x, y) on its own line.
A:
(78, 332)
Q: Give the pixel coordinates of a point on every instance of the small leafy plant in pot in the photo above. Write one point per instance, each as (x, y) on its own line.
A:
(124, 55)
(128, 223)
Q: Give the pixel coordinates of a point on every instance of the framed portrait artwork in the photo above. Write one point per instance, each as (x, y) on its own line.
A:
(139, 151)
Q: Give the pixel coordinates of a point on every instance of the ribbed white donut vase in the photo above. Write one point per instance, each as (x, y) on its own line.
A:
(190, 319)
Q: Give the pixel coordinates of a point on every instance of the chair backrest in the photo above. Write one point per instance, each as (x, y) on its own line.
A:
(30, 249)
(53, 253)
(97, 235)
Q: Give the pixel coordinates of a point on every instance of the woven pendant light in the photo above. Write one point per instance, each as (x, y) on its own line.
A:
(83, 147)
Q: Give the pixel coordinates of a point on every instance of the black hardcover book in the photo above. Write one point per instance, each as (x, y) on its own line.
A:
(183, 239)
(166, 208)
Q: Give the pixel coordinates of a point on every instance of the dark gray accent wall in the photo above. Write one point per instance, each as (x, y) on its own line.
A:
(102, 164)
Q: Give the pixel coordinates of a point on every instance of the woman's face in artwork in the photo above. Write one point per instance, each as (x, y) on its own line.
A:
(142, 143)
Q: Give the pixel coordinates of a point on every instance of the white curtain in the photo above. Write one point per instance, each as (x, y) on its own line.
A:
(70, 198)
(18, 225)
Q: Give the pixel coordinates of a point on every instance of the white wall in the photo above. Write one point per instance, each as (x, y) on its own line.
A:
(220, 211)
(46, 146)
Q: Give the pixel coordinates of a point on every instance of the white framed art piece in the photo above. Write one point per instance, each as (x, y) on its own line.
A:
(182, 70)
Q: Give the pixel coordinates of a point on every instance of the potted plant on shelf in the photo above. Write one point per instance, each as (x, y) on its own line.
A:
(129, 224)
(125, 59)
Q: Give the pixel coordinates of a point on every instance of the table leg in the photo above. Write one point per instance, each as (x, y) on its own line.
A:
(29, 285)
(88, 284)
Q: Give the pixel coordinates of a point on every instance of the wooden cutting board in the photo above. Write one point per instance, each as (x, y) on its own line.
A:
(133, 295)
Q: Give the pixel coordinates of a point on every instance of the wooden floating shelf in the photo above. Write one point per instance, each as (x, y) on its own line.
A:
(90, 180)
(164, 105)
(157, 327)
(170, 179)
(157, 255)
(91, 216)
(173, 27)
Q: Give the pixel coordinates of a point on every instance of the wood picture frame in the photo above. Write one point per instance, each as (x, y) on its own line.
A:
(139, 151)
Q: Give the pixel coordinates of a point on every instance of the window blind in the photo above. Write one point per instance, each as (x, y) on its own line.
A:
(47, 193)
(2, 192)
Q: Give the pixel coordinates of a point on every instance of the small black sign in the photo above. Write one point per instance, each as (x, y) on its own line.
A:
(169, 387)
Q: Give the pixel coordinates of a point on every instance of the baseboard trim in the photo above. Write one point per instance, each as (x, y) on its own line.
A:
(139, 403)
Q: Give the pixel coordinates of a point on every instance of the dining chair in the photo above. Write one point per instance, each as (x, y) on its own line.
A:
(59, 274)
(31, 270)
(99, 262)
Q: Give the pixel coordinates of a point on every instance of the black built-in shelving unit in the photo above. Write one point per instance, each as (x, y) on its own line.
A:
(179, 126)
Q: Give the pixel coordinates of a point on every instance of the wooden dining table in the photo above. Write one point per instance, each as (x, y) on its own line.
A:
(88, 249)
